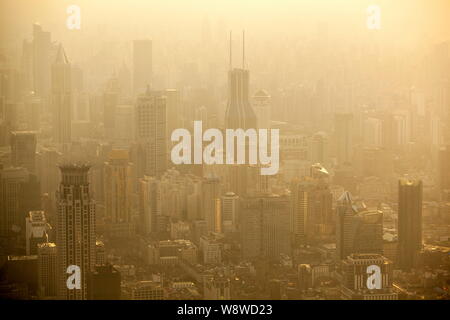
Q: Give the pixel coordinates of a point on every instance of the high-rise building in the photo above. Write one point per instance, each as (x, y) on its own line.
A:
(23, 150)
(36, 231)
(62, 97)
(47, 270)
(358, 230)
(104, 283)
(409, 222)
(230, 212)
(239, 112)
(19, 194)
(355, 278)
(211, 190)
(142, 65)
(76, 229)
(266, 226)
(151, 134)
(118, 191)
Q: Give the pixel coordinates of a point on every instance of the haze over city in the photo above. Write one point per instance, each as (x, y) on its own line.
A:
(224, 150)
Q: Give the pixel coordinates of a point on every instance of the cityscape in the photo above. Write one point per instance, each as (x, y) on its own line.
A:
(224, 150)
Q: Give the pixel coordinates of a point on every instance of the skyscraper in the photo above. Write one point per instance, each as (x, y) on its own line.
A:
(62, 97)
(110, 102)
(230, 212)
(142, 65)
(261, 105)
(444, 172)
(19, 194)
(358, 230)
(36, 231)
(409, 222)
(76, 229)
(47, 270)
(239, 113)
(23, 150)
(151, 125)
(118, 192)
(211, 190)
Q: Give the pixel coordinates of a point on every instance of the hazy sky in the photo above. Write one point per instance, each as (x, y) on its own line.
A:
(400, 18)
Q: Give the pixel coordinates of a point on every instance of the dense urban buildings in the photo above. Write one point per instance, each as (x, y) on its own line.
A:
(355, 116)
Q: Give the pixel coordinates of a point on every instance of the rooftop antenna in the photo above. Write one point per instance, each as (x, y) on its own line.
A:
(231, 61)
(243, 49)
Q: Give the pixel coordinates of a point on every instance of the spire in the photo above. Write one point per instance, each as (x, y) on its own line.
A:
(61, 57)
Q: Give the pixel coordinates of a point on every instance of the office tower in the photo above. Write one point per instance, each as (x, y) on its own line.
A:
(266, 226)
(142, 65)
(104, 283)
(276, 231)
(355, 278)
(300, 206)
(100, 252)
(211, 249)
(36, 231)
(23, 150)
(368, 229)
(358, 230)
(216, 287)
(62, 97)
(444, 171)
(312, 206)
(230, 212)
(343, 130)
(110, 102)
(151, 134)
(344, 235)
(239, 113)
(118, 192)
(211, 192)
(19, 194)
(149, 204)
(47, 270)
(41, 60)
(409, 222)
(261, 106)
(76, 228)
